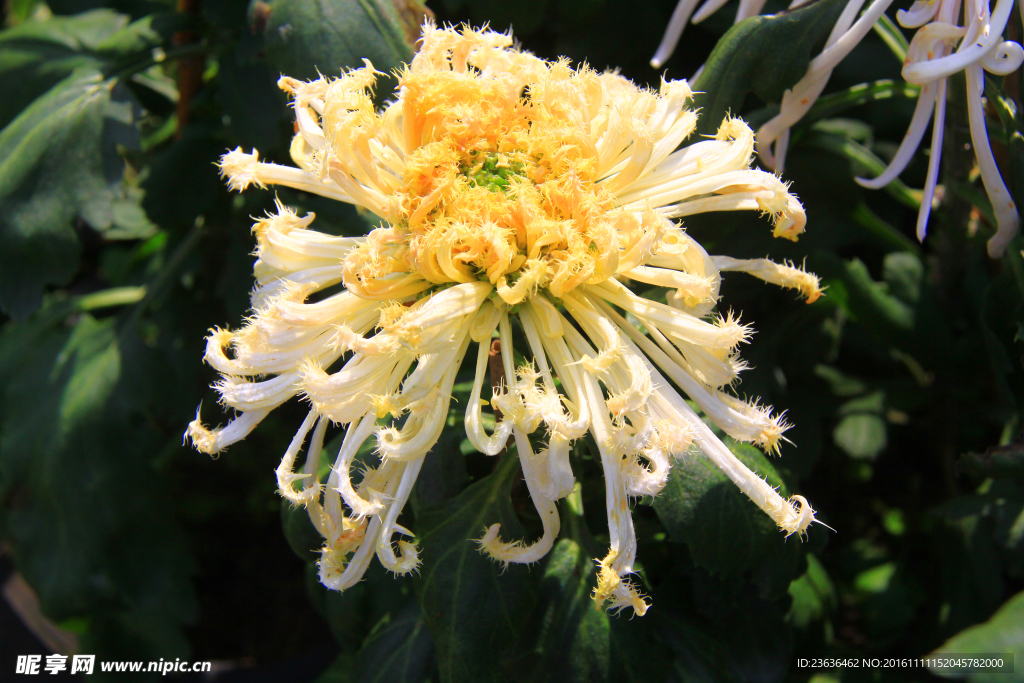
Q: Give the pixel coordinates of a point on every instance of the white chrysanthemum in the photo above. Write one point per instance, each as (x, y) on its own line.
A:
(940, 48)
(517, 193)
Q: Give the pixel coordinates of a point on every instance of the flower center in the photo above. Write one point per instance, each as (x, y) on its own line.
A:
(502, 188)
(492, 171)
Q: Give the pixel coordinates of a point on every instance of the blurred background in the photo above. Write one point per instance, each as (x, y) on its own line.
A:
(120, 247)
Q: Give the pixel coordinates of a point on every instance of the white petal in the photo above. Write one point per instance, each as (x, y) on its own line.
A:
(1007, 219)
(911, 141)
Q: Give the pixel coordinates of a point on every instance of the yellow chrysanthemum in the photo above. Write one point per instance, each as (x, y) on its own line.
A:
(515, 192)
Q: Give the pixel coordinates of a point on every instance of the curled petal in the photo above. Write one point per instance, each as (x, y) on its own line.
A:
(919, 14)
(214, 441)
(1004, 58)
(286, 475)
(988, 31)
(515, 551)
(1007, 218)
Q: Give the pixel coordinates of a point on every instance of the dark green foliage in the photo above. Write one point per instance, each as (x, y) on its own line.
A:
(725, 533)
(566, 638)
(470, 604)
(38, 55)
(120, 247)
(73, 126)
(68, 407)
(764, 55)
(66, 113)
(999, 635)
(306, 38)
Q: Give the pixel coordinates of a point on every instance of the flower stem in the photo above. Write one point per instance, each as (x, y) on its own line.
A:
(190, 68)
(497, 370)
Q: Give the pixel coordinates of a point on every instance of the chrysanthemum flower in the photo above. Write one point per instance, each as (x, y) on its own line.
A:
(941, 47)
(517, 194)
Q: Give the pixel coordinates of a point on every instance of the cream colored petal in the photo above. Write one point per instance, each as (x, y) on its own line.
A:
(214, 441)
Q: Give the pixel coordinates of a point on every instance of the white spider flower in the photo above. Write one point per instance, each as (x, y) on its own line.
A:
(516, 193)
(940, 48)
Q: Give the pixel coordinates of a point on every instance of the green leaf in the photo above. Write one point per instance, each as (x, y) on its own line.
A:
(141, 36)
(727, 534)
(867, 301)
(752, 638)
(989, 519)
(58, 162)
(1002, 461)
(86, 367)
(305, 38)
(258, 109)
(118, 296)
(884, 231)
(473, 607)
(864, 162)
(127, 217)
(352, 614)
(174, 199)
(861, 435)
(300, 533)
(1002, 634)
(846, 128)
(85, 31)
(969, 556)
(339, 671)
(840, 383)
(1017, 166)
(567, 639)
(904, 273)
(861, 431)
(892, 36)
(398, 649)
(73, 421)
(838, 102)
(887, 598)
(814, 595)
(764, 55)
(20, 10)
(700, 656)
(443, 474)
(37, 55)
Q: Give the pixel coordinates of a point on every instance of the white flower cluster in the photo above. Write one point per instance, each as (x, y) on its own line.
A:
(952, 36)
